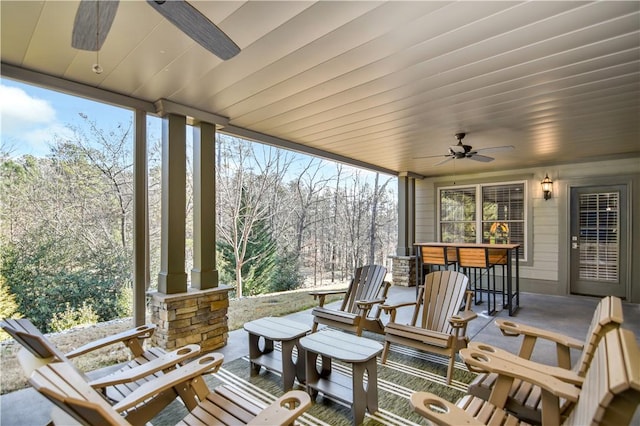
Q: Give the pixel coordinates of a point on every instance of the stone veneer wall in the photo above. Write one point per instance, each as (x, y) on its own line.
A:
(404, 270)
(197, 316)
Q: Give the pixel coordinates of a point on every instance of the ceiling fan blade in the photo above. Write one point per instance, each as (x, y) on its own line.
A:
(496, 148)
(92, 24)
(197, 26)
(446, 160)
(482, 158)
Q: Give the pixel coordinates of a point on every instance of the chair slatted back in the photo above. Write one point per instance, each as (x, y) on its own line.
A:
(367, 284)
(608, 315)
(611, 390)
(442, 297)
(31, 338)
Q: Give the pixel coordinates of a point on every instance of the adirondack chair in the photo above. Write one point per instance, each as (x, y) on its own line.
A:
(609, 396)
(38, 351)
(442, 327)
(360, 306)
(28, 335)
(524, 399)
(62, 385)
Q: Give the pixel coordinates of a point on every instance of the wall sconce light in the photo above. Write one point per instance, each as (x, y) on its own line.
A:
(547, 186)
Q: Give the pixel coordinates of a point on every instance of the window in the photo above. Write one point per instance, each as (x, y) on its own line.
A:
(458, 215)
(487, 213)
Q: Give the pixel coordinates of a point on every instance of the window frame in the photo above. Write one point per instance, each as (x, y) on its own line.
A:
(525, 249)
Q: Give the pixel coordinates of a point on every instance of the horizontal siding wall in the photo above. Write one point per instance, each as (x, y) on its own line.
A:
(546, 269)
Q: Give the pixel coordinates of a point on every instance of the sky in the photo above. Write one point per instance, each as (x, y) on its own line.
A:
(31, 116)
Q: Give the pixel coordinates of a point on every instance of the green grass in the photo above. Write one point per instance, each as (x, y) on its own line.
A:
(240, 311)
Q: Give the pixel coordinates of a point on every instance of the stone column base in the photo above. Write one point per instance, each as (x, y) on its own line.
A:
(197, 316)
(404, 270)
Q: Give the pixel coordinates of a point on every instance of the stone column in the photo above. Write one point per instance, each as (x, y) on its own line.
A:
(197, 316)
(403, 270)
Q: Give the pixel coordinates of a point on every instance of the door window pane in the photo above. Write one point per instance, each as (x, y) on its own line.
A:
(599, 237)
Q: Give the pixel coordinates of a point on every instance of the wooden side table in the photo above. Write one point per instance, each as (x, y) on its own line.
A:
(358, 351)
(273, 329)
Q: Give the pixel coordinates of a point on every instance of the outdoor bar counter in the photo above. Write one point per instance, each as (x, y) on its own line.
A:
(513, 273)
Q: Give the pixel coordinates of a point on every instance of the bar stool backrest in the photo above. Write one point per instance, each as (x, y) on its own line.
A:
(473, 257)
(498, 256)
(434, 255)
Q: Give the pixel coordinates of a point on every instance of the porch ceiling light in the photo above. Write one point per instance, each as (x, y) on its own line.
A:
(547, 186)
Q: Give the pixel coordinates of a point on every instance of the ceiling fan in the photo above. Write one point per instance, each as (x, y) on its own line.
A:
(460, 151)
(94, 18)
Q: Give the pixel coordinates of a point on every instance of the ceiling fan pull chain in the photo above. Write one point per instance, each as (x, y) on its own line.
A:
(96, 67)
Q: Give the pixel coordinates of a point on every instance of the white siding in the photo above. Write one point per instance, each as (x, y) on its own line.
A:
(548, 218)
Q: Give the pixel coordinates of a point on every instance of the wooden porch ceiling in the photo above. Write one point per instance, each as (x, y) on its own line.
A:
(378, 82)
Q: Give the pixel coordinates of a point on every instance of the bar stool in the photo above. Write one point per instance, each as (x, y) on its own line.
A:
(498, 257)
(477, 259)
(438, 256)
(433, 256)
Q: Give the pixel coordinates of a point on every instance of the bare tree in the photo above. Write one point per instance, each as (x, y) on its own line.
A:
(245, 180)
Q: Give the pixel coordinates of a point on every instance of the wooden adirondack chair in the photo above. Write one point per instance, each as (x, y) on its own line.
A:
(360, 306)
(62, 384)
(442, 327)
(609, 395)
(28, 335)
(38, 351)
(524, 398)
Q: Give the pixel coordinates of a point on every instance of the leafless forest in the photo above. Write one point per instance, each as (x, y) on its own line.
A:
(283, 220)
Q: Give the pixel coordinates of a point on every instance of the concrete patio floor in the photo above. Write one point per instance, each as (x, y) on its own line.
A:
(569, 315)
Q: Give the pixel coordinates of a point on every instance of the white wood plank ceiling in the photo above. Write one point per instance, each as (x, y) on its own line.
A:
(378, 82)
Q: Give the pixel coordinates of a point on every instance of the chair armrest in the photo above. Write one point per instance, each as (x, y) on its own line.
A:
(327, 292)
(321, 294)
(461, 319)
(128, 337)
(481, 361)
(440, 411)
(560, 373)
(162, 363)
(510, 328)
(391, 309)
(367, 304)
(195, 369)
(530, 334)
(284, 410)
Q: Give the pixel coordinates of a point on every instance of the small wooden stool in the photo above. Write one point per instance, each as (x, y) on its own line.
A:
(360, 353)
(273, 329)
